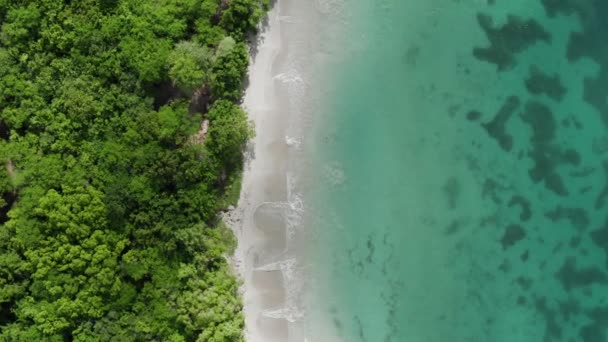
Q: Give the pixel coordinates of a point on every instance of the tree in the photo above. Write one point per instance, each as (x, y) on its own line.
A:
(242, 16)
(20, 26)
(188, 65)
(228, 132)
(108, 210)
(224, 48)
(228, 71)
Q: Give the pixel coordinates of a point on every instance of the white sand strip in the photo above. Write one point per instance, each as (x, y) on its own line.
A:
(277, 101)
(259, 230)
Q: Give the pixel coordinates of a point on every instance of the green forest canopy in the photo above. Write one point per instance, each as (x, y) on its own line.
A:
(109, 210)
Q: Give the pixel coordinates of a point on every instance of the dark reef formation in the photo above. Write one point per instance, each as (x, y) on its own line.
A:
(600, 238)
(564, 238)
(453, 228)
(547, 156)
(553, 330)
(524, 204)
(539, 83)
(492, 189)
(513, 234)
(590, 42)
(577, 217)
(497, 127)
(596, 330)
(473, 115)
(508, 40)
(451, 189)
(571, 276)
(600, 201)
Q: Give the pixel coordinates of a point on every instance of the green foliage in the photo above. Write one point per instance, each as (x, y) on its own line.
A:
(242, 16)
(20, 24)
(224, 48)
(209, 35)
(233, 189)
(228, 237)
(175, 124)
(228, 132)
(228, 72)
(146, 56)
(189, 64)
(107, 205)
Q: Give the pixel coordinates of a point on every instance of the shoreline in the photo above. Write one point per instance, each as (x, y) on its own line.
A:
(256, 222)
(270, 221)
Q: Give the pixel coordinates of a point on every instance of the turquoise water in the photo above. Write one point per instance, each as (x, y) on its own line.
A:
(463, 166)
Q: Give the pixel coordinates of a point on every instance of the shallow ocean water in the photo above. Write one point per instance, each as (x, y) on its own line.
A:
(463, 173)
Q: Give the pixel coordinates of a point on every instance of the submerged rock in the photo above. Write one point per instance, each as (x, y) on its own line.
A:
(508, 40)
(571, 276)
(513, 234)
(539, 83)
(497, 127)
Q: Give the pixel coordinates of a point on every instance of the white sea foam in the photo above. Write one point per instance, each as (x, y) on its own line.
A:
(276, 266)
(291, 76)
(293, 142)
(290, 314)
(291, 311)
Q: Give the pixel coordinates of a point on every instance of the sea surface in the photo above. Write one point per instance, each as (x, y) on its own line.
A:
(461, 158)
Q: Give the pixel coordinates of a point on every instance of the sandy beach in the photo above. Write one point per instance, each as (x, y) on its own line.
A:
(264, 217)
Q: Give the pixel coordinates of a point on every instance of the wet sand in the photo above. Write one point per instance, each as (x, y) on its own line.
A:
(258, 221)
(268, 222)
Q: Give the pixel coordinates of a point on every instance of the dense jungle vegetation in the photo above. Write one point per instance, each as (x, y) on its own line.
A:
(121, 136)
